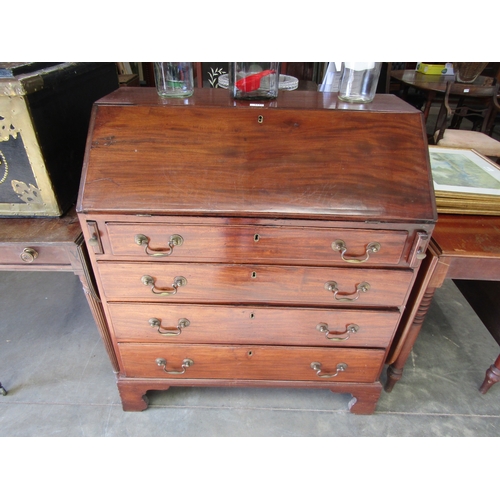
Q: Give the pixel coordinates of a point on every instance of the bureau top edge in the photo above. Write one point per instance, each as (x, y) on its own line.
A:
(297, 99)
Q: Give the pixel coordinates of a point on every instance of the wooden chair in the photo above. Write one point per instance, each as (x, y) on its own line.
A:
(476, 103)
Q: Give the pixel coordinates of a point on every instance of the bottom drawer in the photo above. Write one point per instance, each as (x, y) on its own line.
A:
(251, 362)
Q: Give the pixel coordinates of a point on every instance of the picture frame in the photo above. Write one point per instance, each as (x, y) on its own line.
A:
(465, 182)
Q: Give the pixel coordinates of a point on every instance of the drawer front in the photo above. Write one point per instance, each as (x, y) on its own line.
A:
(34, 255)
(196, 243)
(195, 324)
(211, 283)
(251, 362)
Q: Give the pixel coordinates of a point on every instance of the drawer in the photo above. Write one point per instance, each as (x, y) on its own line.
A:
(219, 283)
(251, 362)
(19, 254)
(198, 324)
(272, 244)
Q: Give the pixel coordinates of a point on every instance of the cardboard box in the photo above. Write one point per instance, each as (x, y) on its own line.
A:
(435, 69)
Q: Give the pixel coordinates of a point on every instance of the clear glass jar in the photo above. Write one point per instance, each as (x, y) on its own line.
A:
(174, 79)
(358, 81)
(254, 80)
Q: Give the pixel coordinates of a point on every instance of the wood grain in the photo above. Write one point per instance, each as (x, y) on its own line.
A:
(251, 362)
(252, 325)
(238, 283)
(316, 162)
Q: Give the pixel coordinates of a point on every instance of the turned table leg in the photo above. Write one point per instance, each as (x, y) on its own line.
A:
(492, 376)
(395, 370)
(430, 277)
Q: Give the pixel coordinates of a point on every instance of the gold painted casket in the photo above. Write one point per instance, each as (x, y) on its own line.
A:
(44, 116)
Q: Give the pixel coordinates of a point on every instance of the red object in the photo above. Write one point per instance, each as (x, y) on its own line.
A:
(252, 82)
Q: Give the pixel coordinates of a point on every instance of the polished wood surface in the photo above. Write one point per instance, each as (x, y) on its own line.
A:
(226, 283)
(251, 362)
(220, 221)
(258, 324)
(54, 240)
(463, 247)
(338, 153)
(244, 243)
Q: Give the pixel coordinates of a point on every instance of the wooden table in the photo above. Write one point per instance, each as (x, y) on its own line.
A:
(52, 244)
(430, 84)
(463, 247)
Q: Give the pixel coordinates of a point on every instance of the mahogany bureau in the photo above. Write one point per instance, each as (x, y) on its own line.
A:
(269, 244)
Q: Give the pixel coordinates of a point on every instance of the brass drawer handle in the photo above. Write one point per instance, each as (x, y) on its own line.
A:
(28, 255)
(178, 281)
(340, 246)
(174, 241)
(316, 366)
(169, 332)
(331, 286)
(186, 363)
(323, 328)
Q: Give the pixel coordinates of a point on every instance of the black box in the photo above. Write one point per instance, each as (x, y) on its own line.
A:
(44, 118)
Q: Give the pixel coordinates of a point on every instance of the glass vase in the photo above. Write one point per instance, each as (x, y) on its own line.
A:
(174, 79)
(358, 81)
(254, 80)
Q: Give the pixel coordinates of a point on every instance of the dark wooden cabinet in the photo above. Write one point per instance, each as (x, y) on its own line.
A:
(268, 244)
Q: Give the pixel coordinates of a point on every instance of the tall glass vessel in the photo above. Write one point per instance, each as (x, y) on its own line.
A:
(174, 79)
(254, 80)
(358, 81)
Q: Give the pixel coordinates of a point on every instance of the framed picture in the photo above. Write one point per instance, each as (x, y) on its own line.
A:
(464, 181)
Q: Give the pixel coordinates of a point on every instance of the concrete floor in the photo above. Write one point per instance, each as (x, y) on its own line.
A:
(60, 381)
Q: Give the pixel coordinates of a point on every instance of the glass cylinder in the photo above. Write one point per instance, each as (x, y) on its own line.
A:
(254, 80)
(174, 79)
(358, 81)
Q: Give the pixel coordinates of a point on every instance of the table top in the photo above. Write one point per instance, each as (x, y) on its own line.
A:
(468, 247)
(436, 83)
(41, 230)
(468, 235)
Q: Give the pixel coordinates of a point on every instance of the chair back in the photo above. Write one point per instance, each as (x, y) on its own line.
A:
(478, 103)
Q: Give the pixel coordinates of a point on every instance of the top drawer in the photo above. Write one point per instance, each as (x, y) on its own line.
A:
(265, 244)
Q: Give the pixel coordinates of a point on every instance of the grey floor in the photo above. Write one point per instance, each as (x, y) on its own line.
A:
(60, 380)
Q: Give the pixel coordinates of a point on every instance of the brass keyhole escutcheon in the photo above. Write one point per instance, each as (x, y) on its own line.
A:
(260, 119)
(254, 274)
(250, 353)
(256, 237)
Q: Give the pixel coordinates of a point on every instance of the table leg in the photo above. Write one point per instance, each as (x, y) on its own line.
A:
(429, 278)
(492, 376)
(431, 95)
(395, 370)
